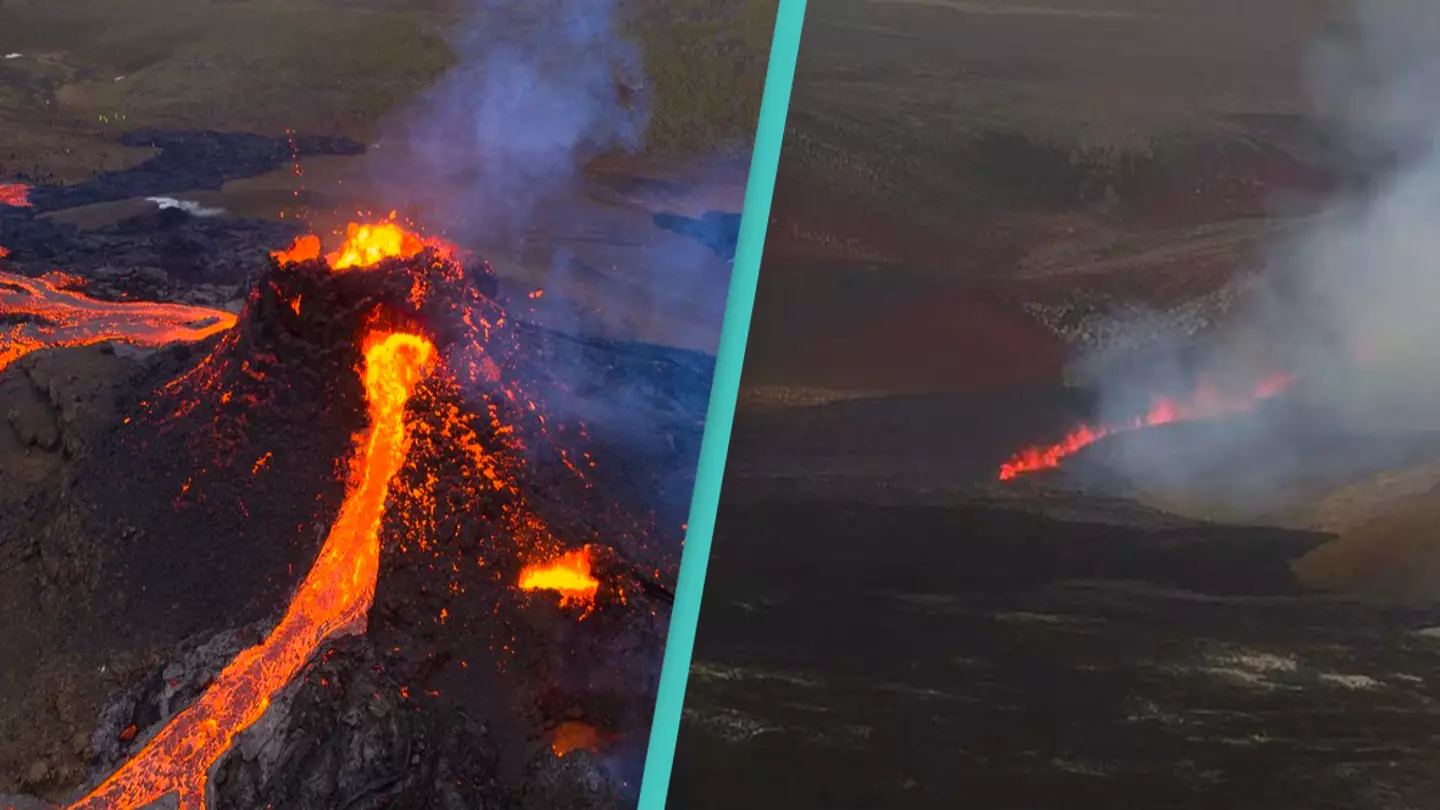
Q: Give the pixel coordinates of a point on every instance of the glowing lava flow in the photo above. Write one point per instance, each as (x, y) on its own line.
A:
(41, 313)
(568, 576)
(334, 598)
(16, 195)
(1206, 403)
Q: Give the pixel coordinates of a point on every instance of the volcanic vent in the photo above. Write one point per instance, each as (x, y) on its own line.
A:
(352, 562)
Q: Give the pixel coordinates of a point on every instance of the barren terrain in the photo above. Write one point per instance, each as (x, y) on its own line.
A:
(956, 153)
(967, 192)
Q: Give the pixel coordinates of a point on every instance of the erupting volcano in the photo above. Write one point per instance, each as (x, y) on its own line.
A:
(440, 482)
(1206, 403)
(49, 312)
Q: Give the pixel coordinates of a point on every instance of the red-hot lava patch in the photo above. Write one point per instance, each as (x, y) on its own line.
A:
(206, 510)
(15, 195)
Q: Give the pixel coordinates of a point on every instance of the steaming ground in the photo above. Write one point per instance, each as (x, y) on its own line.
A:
(990, 226)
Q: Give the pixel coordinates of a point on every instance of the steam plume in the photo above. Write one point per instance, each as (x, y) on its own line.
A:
(1349, 302)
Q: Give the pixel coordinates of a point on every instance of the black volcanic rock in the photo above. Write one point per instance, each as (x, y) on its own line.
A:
(188, 249)
(188, 160)
(344, 735)
(717, 230)
(1043, 663)
(160, 256)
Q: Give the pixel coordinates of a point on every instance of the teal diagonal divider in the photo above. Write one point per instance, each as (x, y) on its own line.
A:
(726, 387)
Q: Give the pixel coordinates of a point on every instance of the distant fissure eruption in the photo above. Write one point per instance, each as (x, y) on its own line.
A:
(15, 195)
(1206, 403)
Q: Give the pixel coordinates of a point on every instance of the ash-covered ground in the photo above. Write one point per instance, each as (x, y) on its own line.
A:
(159, 507)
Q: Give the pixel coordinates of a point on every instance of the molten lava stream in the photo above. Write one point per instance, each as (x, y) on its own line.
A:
(334, 598)
(43, 314)
(1205, 404)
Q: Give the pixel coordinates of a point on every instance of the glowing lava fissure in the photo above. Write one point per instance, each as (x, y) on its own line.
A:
(1206, 403)
(334, 598)
(46, 312)
(15, 195)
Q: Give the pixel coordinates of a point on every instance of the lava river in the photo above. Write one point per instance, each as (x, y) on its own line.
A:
(333, 599)
(1206, 403)
(46, 312)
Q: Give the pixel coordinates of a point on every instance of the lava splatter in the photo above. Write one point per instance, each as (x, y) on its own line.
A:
(569, 576)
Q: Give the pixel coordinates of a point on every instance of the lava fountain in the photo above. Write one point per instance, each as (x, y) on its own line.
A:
(46, 312)
(333, 599)
(365, 245)
(1206, 403)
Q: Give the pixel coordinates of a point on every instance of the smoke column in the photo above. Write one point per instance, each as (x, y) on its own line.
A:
(494, 154)
(1349, 302)
(539, 87)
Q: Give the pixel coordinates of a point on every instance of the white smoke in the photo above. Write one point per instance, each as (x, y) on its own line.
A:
(190, 207)
(1350, 303)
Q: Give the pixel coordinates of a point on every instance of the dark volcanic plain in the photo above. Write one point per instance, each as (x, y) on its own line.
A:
(885, 624)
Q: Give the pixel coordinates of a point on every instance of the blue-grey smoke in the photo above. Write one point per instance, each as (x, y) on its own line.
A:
(539, 88)
(497, 156)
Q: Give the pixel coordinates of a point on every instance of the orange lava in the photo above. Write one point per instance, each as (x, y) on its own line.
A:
(1206, 403)
(334, 599)
(303, 249)
(573, 735)
(16, 195)
(365, 245)
(42, 313)
(569, 576)
(4, 252)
